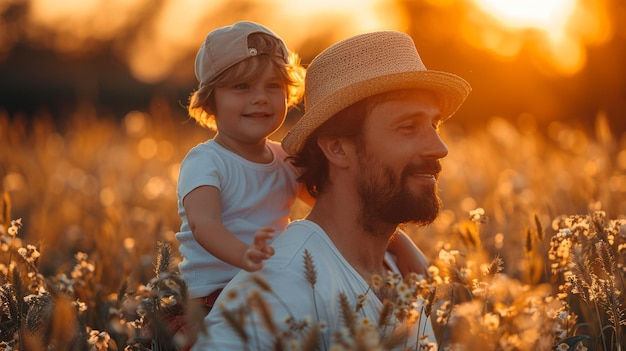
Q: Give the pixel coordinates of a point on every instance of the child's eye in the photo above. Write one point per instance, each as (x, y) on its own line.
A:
(241, 86)
(276, 85)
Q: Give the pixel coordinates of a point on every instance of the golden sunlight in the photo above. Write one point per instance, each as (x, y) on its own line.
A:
(556, 31)
(361, 15)
(155, 41)
(181, 26)
(547, 15)
(74, 22)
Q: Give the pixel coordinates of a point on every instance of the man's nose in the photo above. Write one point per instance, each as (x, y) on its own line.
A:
(434, 147)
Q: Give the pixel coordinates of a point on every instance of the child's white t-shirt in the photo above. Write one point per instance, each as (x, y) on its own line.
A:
(253, 196)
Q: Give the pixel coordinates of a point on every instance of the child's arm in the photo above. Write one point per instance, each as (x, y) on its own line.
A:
(408, 255)
(204, 213)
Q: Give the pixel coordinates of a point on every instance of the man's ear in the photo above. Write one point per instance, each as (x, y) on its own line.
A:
(335, 149)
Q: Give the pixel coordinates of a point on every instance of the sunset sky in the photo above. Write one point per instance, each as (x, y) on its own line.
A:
(552, 59)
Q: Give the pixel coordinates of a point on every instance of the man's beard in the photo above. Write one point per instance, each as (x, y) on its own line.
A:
(386, 199)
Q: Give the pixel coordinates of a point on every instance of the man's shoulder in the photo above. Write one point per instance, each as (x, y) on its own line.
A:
(299, 236)
(285, 267)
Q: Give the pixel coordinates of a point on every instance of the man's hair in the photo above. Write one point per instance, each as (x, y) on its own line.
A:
(347, 123)
(292, 72)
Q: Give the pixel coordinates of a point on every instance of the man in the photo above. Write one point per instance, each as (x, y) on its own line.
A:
(369, 150)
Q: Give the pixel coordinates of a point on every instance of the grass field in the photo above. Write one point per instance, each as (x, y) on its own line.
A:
(532, 237)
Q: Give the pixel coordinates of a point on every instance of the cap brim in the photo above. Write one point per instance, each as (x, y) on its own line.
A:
(451, 90)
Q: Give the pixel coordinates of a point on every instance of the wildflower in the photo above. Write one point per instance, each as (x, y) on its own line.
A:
(64, 284)
(403, 291)
(562, 294)
(480, 289)
(81, 256)
(510, 342)
(562, 347)
(377, 281)
(491, 322)
(16, 224)
(444, 312)
(448, 257)
(392, 280)
(426, 345)
(168, 301)
(29, 253)
(83, 270)
(413, 316)
(365, 322)
(4, 269)
(478, 215)
(80, 306)
(98, 341)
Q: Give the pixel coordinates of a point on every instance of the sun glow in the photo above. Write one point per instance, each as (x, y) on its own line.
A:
(156, 41)
(556, 31)
(541, 14)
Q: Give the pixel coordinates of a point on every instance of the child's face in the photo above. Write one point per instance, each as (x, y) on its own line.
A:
(248, 111)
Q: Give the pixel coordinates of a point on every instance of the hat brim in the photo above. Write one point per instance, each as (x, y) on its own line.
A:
(450, 89)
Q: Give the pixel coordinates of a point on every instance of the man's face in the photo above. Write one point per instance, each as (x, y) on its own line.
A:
(398, 160)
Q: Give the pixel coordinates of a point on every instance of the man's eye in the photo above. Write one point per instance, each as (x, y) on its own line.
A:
(407, 127)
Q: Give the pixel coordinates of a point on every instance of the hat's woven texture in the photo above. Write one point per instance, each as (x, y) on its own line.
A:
(363, 66)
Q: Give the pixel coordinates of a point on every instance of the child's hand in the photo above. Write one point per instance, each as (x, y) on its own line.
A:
(409, 258)
(259, 251)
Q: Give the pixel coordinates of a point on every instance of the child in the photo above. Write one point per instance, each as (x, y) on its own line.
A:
(238, 183)
(236, 189)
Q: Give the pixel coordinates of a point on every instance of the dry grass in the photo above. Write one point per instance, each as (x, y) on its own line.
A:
(528, 253)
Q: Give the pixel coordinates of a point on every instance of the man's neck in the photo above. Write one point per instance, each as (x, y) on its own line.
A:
(364, 250)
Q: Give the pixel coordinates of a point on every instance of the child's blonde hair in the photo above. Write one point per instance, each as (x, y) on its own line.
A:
(203, 99)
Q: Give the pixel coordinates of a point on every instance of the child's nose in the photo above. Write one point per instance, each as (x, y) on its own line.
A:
(259, 96)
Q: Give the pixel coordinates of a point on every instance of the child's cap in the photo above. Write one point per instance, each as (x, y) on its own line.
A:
(226, 46)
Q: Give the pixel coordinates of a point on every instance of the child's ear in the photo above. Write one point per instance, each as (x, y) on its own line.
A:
(336, 149)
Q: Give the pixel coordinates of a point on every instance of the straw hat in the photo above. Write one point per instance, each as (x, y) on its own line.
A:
(362, 66)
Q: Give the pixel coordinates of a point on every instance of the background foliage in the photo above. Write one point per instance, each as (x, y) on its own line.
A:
(96, 194)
